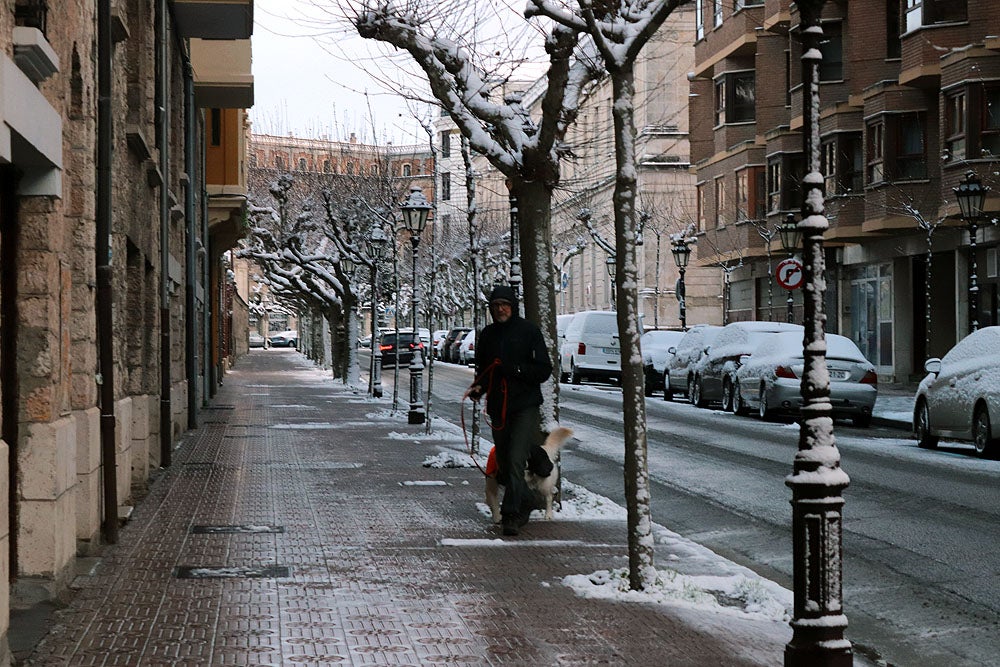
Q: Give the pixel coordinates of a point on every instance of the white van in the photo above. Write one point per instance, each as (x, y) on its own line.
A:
(590, 348)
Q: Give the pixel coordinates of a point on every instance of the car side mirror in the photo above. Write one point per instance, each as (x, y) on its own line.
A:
(672, 350)
(744, 358)
(933, 365)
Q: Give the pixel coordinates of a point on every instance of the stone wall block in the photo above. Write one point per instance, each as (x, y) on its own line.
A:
(88, 474)
(5, 491)
(140, 439)
(47, 539)
(154, 432)
(47, 460)
(38, 271)
(123, 444)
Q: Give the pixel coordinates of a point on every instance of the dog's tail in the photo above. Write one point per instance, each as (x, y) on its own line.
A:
(556, 439)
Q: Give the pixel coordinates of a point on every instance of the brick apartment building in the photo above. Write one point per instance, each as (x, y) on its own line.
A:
(910, 102)
(122, 184)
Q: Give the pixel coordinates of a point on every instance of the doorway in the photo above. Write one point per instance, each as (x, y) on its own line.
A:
(9, 389)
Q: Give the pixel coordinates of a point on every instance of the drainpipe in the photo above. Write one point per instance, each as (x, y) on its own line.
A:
(163, 136)
(104, 298)
(190, 258)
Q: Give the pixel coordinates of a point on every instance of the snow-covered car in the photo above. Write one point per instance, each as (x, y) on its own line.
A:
(960, 397)
(467, 349)
(683, 360)
(448, 348)
(256, 340)
(437, 342)
(714, 375)
(656, 346)
(770, 380)
(288, 338)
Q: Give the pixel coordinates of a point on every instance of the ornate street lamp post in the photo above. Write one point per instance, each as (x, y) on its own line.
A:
(376, 251)
(791, 237)
(415, 209)
(612, 267)
(817, 481)
(971, 195)
(682, 253)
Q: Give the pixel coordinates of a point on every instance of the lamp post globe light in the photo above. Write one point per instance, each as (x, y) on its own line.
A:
(376, 250)
(682, 254)
(415, 210)
(971, 196)
(612, 267)
(791, 237)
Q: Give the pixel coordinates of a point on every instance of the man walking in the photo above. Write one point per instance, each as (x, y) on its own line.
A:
(511, 364)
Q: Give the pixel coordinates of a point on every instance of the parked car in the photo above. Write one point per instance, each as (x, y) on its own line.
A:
(656, 346)
(437, 339)
(770, 380)
(683, 361)
(402, 354)
(456, 333)
(714, 374)
(960, 397)
(256, 340)
(288, 338)
(467, 349)
(591, 348)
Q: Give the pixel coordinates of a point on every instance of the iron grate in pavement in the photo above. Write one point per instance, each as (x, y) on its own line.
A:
(219, 407)
(265, 572)
(240, 529)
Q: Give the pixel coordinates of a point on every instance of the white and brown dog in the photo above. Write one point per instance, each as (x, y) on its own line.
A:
(545, 487)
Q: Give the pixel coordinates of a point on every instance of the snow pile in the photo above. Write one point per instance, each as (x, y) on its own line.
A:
(451, 459)
(735, 593)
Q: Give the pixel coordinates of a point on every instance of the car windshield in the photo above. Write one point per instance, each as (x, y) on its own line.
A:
(604, 323)
(404, 339)
(981, 343)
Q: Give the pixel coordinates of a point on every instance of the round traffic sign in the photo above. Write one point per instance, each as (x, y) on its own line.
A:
(789, 273)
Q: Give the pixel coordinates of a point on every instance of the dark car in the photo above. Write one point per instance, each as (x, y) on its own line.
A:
(449, 352)
(656, 347)
(401, 355)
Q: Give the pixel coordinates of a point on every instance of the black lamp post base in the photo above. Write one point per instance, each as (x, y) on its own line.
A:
(812, 653)
(416, 417)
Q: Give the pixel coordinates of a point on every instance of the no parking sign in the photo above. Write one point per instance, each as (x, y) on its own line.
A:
(789, 273)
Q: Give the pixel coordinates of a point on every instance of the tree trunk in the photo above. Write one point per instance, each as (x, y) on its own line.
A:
(538, 292)
(637, 497)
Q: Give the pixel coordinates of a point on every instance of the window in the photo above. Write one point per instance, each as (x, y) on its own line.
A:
(831, 67)
(954, 119)
(446, 186)
(720, 202)
(893, 47)
(875, 169)
(990, 121)
(302, 164)
(278, 162)
(717, 12)
(216, 131)
(350, 168)
(911, 161)
(326, 166)
(750, 193)
(784, 176)
(740, 4)
(445, 226)
(253, 160)
(930, 12)
(406, 170)
(446, 144)
(699, 20)
(735, 98)
(700, 203)
(842, 157)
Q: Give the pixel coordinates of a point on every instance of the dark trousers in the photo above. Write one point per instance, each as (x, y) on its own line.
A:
(514, 442)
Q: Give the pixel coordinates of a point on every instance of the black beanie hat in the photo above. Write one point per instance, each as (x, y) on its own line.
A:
(503, 293)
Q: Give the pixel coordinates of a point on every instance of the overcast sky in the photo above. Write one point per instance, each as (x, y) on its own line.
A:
(310, 79)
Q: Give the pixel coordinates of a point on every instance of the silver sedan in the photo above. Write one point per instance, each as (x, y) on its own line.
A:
(769, 381)
(960, 397)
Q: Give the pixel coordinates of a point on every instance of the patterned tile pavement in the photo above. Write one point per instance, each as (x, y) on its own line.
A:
(315, 484)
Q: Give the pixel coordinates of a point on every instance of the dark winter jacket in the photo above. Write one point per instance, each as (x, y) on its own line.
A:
(524, 365)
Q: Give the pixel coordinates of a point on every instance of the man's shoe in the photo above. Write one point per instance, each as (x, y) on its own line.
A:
(510, 527)
(523, 519)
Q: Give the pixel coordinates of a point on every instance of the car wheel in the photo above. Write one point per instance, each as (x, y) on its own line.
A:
(697, 391)
(985, 446)
(763, 411)
(727, 395)
(574, 374)
(668, 393)
(922, 426)
(739, 407)
(862, 421)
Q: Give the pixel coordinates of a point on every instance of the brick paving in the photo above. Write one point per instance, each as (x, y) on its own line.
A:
(291, 471)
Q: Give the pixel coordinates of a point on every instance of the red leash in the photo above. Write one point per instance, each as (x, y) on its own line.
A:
(503, 411)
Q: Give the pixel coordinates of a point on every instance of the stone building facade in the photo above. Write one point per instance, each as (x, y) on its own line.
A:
(105, 251)
(909, 94)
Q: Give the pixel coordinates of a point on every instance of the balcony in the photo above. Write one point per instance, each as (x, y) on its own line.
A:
(214, 19)
(222, 76)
